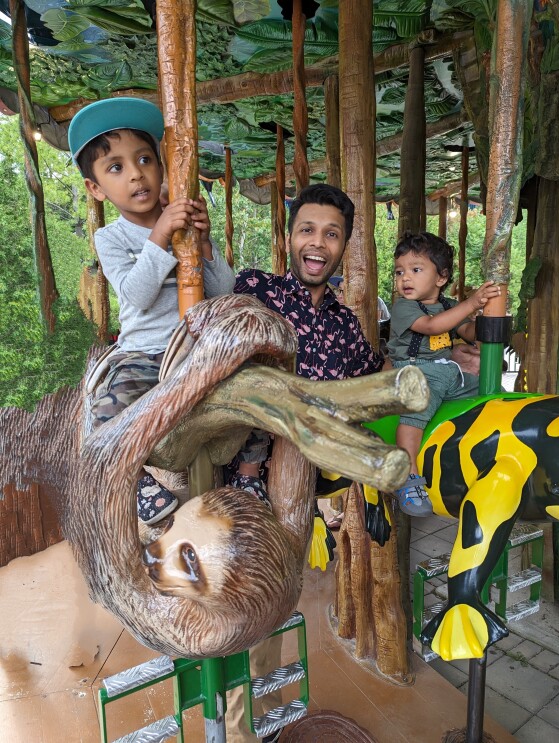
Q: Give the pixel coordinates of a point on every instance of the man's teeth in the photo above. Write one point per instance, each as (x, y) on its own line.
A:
(315, 258)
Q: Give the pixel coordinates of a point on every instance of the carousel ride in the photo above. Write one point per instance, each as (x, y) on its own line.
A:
(111, 458)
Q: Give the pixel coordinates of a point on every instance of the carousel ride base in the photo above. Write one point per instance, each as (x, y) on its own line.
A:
(56, 647)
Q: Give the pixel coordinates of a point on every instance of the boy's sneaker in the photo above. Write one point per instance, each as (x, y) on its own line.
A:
(412, 497)
(252, 485)
(154, 501)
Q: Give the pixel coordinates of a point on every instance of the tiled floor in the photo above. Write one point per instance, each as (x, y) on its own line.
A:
(522, 670)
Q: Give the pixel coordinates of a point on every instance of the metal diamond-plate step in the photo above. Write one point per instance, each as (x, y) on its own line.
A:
(431, 612)
(277, 679)
(278, 718)
(523, 579)
(524, 533)
(295, 620)
(521, 610)
(157, 732)
(434, 565)
(142, 674)
(424, 651)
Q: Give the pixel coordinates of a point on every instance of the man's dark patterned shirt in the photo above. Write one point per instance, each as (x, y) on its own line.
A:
(331, 342)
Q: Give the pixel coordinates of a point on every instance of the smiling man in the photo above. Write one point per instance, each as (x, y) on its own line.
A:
(331, 342)
(331, 346)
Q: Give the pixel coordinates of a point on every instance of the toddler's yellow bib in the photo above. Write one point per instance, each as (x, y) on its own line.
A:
(436, 342)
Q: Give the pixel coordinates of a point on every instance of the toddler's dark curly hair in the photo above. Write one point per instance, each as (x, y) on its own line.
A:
(439, 252)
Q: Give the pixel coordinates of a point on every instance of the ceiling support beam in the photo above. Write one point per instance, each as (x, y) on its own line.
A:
(384, 146)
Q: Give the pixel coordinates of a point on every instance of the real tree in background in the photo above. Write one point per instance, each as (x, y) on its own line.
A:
(32, 363)
(252, 241)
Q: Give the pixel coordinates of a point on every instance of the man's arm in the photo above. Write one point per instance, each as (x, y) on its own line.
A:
(364, 359)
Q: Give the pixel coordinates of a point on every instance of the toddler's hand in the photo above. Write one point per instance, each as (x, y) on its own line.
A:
(486, 291)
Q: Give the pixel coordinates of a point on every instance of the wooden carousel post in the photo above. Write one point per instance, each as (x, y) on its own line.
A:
(506, 118)
(443, 209)
(28, 129)
(411, 217)
(368, 587)
(176, 46)
(176, 34)
(279, 252)
(332, 108)
(300, 116)
(96, 220)
(229, 228)
(413, 152)
(463, 232)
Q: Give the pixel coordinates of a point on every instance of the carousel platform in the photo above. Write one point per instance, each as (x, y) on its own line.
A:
(56, 647)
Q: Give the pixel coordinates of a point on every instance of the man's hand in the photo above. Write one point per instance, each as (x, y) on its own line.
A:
(467, 357)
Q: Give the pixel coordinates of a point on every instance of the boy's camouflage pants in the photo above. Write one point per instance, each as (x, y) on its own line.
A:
(130, 376)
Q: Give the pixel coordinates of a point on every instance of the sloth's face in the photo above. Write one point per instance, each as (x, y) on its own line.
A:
(190, 557)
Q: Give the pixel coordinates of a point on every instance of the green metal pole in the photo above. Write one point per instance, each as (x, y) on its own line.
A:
(491, 368)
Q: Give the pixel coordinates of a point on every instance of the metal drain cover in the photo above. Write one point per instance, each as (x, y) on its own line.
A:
(326, 726)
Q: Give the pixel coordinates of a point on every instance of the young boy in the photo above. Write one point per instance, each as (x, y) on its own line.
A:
(422, 324)
(115, 144)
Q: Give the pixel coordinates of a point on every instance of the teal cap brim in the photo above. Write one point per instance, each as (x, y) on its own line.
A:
(110, 114)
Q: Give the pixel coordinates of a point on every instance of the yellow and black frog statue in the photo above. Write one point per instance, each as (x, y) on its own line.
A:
(487, 461)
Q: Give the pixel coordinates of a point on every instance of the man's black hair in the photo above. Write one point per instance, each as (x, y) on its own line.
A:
(323, 194)
(439, 252)
(101, 145)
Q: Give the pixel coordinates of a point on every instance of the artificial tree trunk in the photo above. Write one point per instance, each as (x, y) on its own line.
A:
(228, 208)
(93, 295)
(332, 107)
(279, 252)
(48, 293)
(543, 311)
(368, 590)
(300, 115)
(413, 153)
(463, 232)
(176, 46)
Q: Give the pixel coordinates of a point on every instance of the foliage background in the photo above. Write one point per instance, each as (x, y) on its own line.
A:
(33, 364)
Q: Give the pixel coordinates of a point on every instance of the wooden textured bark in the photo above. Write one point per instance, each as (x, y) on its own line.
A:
(388, 613)
(506, 118)
(357, 136)
(453, 187)
(358, 554)
(27, 126)
(463, 232)
(94, 287)
(300, 116)
(443, 204)
(332, 107)
(228, 208)
(176, 45)
(413, 153)
(279, 253)
(543, 311)
(36, 456)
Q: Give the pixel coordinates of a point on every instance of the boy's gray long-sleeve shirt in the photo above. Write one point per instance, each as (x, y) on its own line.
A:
(144, 279)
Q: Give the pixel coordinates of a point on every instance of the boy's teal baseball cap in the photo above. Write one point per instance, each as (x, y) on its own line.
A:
(110, 114)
